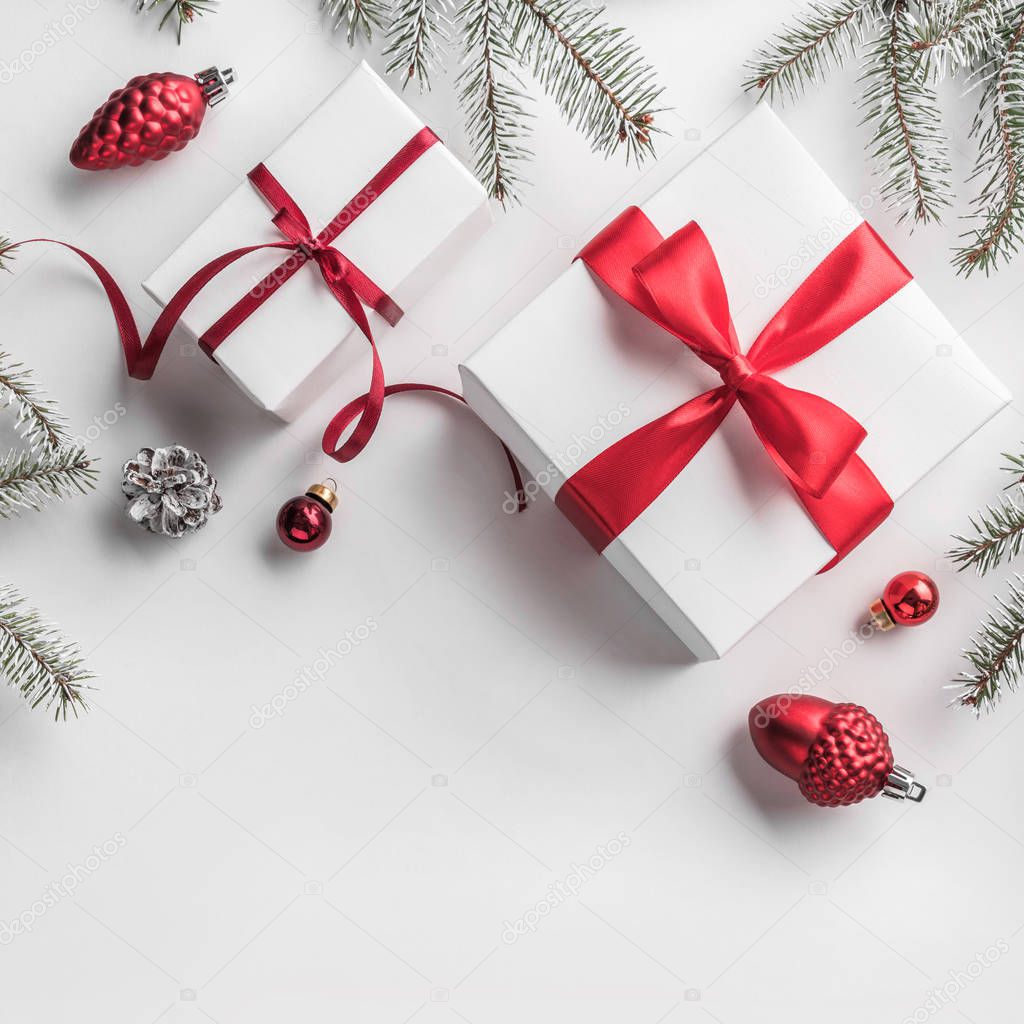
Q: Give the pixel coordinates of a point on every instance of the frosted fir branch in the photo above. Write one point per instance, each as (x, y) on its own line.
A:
(1014, 465)
(996, 654)
(955, 35)
(490, 92)
(907, 140)
(7, 251)
(30, 481)
(360, 17)
(804, 52)
(38, 661)
(998, 209)
(184, 11)
(998, 535)
(418, 39)
(594, 71)
(38, 421)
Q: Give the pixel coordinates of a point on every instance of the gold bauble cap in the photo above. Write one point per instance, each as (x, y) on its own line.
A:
(325, 493)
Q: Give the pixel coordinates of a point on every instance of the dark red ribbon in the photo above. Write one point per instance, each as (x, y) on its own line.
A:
(347, 283)
(677, 283)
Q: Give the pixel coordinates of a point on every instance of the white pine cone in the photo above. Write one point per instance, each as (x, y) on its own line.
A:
(169, 490)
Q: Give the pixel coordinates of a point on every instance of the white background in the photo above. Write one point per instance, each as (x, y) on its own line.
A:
(515, 707)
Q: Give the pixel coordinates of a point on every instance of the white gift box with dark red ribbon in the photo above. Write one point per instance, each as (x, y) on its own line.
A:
(572, 378)
(290, 348)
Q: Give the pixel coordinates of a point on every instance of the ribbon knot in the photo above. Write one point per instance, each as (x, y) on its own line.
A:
(736, 371)
(676, 283)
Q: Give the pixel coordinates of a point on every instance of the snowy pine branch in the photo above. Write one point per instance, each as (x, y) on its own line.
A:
(497, 119)
(996, 654)
(36, 659)
(594, 71)
(803, 53)
(908, 140)
(998, 535)
(38, 421)
(30, 481)
(358, 17)
(955, 35)
(184, 12)
(999, 128)
(418, 38)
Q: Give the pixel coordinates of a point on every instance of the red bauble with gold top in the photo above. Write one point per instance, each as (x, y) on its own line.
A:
(909, 599)
(304, 523)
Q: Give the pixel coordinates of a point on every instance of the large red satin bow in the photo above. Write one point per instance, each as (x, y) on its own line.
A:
(677, 283)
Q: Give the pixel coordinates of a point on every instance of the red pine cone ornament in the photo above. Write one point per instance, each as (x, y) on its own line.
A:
(152, 116)
(837, 754)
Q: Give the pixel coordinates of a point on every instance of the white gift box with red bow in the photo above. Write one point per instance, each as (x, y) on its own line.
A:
(290, 348)
(579, 369)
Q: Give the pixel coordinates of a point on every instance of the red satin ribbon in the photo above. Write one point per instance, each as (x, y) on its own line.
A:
(677, 283)
(347, 283)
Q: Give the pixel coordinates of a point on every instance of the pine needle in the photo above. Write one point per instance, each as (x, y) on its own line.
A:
(954, 35)
(30, 481)
(491, 94)
(594, 71)
(803, 53)
(7, 251)
(996, 654)
(908, 141)
(418, 39)
(360, 17)
(37, 660)
(38, 421)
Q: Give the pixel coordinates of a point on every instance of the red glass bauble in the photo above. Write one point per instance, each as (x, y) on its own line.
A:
(837, 754)
(152, 116)
(909, 599)
(304, 523)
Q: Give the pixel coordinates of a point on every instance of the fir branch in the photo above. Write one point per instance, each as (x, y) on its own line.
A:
(36, 659)
(1014, 465)
(490, 92)
(186, 11)
(417, 39)
(907, 138)
(803, 53)
(594, 71)
(998, 535)
(30, 481)
(999, 128)
(7, 251)
(955, 34)
(360, 17)
(38, 421)
(996, 654)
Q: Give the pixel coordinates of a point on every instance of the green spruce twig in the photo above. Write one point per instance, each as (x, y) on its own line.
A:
(418, 39)
(30, 481)
(38, 421)
(497, 119)
(908, 140)
(803, 53)
(7, 251)
(36, 659)
(999, 129)
(594, 71)
(359, 17)
(996, 654)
